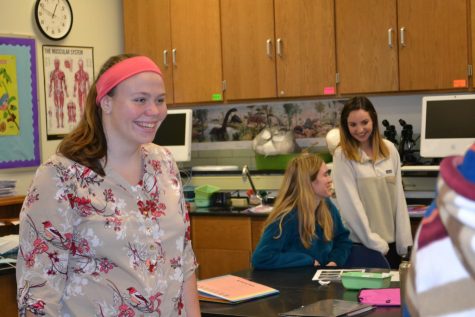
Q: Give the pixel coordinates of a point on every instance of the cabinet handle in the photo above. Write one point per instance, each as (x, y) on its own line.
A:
(165, 58)
(401, 34)
(279, 47)
(174, 56)
(390, 37)
(269, 47)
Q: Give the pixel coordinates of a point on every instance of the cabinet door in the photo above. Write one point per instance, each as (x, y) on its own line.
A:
(144, 35)
(247, 28)
(305, 42)
(215, 262)
(366, 37)
(472, 20)
(196, 42)
(433, 51)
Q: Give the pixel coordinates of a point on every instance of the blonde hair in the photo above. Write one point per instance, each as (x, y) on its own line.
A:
(296, 192)
(349, 145)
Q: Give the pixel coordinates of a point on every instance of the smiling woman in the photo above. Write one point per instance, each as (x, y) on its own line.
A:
(304, 227)
(367, 175)
(105, 222)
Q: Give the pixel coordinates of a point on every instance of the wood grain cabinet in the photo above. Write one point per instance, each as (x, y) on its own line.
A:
(183, 37)
(472, 20)
(224, 244)
(401, 45)
(278, 48)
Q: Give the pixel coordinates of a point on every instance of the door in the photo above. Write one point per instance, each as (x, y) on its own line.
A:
(247, 28)
(367, 49)
(305, 46)
(143, 36)
(196, 50)
(433, 44)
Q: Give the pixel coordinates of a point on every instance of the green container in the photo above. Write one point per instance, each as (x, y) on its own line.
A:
(279, 162)
(359, 280)
(204, 192)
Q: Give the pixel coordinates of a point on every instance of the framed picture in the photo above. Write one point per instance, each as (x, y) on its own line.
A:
(19, 133)
(68, 74)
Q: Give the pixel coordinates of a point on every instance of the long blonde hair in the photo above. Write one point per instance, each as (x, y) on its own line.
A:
(296, 192)
(349, 145)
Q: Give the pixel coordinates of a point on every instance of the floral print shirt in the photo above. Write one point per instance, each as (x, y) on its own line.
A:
(98, 246)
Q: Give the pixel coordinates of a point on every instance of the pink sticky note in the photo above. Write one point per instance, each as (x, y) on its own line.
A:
(329, 90)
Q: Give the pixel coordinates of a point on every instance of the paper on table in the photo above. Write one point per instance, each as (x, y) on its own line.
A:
(261, 209)
(9, 243)
(231, 289)
(332, 275)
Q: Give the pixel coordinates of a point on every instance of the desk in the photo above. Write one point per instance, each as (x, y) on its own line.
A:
(296, 289)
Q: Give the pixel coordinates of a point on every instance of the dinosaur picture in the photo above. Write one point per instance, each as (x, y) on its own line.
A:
(305, 119)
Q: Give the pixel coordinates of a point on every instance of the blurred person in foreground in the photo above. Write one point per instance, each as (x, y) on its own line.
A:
(441, 279)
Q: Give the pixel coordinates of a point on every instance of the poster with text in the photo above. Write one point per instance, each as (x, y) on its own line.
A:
(68, 75)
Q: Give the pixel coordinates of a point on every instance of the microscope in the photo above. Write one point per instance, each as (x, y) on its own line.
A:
(390, 132)
(407, 144)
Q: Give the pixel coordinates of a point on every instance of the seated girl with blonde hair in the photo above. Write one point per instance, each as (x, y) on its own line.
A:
(304, 227)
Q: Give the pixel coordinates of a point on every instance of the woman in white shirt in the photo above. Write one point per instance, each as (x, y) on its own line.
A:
(367, 179)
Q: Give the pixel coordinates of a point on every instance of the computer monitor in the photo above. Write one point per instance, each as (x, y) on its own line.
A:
(448, 126)
(175, 133)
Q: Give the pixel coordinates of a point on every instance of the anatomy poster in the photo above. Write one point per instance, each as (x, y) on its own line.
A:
(68, 75)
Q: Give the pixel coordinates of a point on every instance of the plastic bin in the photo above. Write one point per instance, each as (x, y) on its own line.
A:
(204, 192)
(279, 162)
(359, 280)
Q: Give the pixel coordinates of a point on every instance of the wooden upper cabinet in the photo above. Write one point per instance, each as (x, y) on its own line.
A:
(183, 38)
(404, 45)
(367, 48)
(472, 19)
(196, 39)
(433, 52)
(247, 28)
(305, 47)
(143, 36)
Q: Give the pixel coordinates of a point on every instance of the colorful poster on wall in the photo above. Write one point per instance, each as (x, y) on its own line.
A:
(19, 131)
(9, 111)
(68, 75)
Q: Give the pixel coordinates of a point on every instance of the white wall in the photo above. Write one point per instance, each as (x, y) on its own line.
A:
(97, 23)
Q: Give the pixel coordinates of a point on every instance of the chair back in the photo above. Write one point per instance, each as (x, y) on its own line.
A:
(362, 257)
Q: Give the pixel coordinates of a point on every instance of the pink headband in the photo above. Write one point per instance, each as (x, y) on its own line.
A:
(121, 71)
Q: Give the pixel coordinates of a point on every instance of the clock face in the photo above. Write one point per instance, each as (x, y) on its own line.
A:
(54, 18)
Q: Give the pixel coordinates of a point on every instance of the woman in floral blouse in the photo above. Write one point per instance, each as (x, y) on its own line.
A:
(104, 230)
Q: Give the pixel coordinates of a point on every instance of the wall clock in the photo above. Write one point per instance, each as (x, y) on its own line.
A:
(54, 18)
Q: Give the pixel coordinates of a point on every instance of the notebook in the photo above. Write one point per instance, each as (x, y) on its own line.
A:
(330, 308)
(231, 289)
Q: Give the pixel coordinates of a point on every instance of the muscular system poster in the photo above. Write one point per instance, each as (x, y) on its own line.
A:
(68, 74)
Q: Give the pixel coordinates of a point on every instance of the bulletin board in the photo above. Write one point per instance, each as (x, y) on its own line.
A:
(19, 131)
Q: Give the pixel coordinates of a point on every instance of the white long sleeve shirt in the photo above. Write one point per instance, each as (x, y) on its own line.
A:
(371, 200)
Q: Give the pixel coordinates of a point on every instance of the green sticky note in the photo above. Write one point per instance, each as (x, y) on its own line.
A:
(217, 97)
